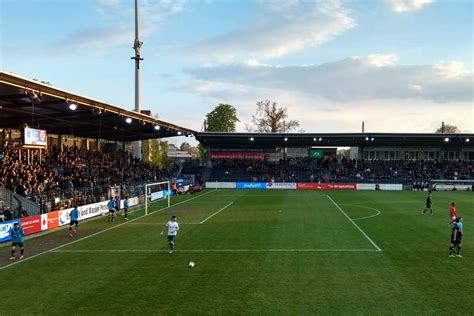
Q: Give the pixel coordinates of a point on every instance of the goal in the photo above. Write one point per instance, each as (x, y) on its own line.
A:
(157, 192)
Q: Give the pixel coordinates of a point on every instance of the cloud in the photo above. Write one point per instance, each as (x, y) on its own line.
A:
(286, 27)
(115, 12)
(407, 5)
(317, 114)
(369, 77)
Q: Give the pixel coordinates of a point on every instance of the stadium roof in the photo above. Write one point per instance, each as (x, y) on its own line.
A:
(256, 140)
(24, 101)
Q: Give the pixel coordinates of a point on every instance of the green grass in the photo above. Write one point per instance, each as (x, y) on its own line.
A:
(269, 252)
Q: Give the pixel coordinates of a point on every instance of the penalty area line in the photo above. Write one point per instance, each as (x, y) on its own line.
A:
(215, 213)
(210, 250)
(97, 233)
(354, 223)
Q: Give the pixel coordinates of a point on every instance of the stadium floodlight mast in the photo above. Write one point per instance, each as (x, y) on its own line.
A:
(156, 192)
(137, 45)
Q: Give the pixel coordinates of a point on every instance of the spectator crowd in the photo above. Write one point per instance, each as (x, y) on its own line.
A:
(57, 172)
(339, 170)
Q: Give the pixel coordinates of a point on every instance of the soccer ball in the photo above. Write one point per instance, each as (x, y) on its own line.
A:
(191, 264)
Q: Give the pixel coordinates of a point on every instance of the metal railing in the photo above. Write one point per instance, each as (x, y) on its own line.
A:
(55, 200)
(17, 203)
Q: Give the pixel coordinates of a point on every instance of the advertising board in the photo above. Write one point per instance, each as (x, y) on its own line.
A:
(251, 185)
(31, 224)
(5, 229)
(326, 186)
(281, 185)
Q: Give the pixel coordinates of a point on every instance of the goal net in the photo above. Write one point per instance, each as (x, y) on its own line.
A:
(156, 194)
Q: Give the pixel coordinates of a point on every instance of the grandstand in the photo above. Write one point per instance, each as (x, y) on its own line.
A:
(374, 157)
(83, 153)
(265, 251)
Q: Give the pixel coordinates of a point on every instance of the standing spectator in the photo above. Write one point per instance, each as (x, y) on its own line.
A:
(174, 188)
(20, 189)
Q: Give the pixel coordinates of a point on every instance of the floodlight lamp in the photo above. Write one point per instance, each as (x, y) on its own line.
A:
(252, 139)
(367, 138)
(179, 133)
(286, 139)
(157, 127)
(72, 106)
(320, 139)
(128, 120)
(314, 139)
(467, 140)
(372, 139)
(446, 139)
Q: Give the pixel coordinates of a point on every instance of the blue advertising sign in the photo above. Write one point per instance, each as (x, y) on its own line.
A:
(180, 183)
(5, 229)
(160, 195)
(166, 192)
(251, 185)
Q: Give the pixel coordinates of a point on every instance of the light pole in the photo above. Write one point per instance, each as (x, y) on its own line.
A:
(137, 45)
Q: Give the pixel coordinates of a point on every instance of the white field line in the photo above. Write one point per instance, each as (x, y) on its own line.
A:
(163, 224)
(361, 206)
(357, 226)
(98, 233)
(201, 222)
(215, 213)
(211, 250)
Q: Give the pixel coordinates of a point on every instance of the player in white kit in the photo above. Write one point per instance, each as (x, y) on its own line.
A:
(173, 228)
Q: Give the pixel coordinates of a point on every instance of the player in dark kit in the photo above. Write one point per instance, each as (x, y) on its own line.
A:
(125, 208)
(74, 223)
(456, 239)
(17, 234)
(429, 203)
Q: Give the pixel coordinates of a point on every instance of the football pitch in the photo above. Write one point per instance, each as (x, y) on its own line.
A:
(256, 252)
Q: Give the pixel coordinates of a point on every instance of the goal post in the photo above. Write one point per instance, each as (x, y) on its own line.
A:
(155, 192)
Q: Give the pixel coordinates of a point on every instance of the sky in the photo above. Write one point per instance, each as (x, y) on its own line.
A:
(398, 65)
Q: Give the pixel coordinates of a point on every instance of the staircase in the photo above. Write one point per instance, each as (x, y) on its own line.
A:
(206, 174)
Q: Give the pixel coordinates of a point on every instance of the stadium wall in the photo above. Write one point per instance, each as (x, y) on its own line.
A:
(302, 186)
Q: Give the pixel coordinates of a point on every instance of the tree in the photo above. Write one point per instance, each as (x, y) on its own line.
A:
(447, 129)
(269, 118)
(151, 152)
(346, 153)
(155, 152)
(202, 152)
(222, 119)
(165, 162)
(185, 146)
(194, 152)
